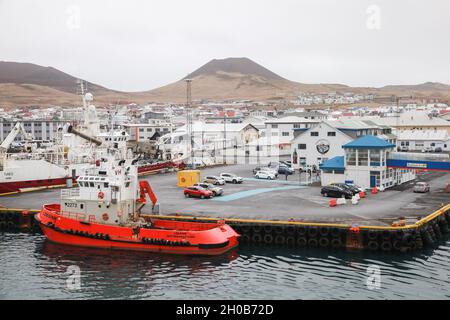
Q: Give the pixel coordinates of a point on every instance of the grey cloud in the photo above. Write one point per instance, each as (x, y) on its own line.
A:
(139, 45)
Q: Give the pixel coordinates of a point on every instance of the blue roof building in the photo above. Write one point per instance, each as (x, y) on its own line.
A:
(365, 164)
(336, 164)
(369, 142)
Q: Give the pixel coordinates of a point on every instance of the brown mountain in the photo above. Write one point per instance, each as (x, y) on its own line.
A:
(28, 73)
(237, 78)
(241, 78)
(243, 66)
(25, 84)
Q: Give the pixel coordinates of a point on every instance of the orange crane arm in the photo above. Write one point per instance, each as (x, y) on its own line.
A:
(145, 188)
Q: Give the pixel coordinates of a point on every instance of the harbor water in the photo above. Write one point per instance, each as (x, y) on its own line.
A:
(33, 268)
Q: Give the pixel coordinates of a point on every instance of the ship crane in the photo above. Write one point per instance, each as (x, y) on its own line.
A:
(145, 188)
(18, 128)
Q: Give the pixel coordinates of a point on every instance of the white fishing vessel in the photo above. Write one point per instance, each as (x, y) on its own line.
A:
(61, 163)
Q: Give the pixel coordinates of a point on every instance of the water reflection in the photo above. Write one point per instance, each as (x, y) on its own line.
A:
(247, 273)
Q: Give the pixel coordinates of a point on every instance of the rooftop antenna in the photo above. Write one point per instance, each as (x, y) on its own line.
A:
(189, 120)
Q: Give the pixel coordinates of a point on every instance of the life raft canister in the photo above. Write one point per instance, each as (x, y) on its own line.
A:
(101, 195)
(105, 217)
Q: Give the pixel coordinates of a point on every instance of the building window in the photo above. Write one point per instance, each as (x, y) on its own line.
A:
(350, 156)
(285, 134)
(314, 134)
(274, 126)
(274, 134)
(375, 157)
(331, 134)
(363, 157)
(297, 125)
(302, 146)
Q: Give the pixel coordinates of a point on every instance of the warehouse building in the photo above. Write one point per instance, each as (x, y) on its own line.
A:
(424, 140)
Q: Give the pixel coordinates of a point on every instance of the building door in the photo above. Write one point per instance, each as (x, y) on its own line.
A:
(373, 181)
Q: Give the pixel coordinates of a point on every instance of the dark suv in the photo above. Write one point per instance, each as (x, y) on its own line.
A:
(348, 187)
(336, 192)
(283, 169)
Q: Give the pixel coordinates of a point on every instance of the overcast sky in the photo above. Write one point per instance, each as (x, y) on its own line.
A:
(136, 45)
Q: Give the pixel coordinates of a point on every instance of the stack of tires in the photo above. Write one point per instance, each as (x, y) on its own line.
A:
(291, 235)
(401, 240)
(9, 221)
(436, 229)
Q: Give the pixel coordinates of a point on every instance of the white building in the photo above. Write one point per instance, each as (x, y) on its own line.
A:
(417, 140)
(313, 146)
(142, 132)
(318, 144)
(211, 136)
(280, 132)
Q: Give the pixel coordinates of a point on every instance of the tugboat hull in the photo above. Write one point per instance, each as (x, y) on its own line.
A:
(173, 237)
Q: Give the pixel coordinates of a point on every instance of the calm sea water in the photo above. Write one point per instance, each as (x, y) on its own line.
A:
(32, 268)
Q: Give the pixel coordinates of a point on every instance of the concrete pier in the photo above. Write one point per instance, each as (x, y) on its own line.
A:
(289, 212)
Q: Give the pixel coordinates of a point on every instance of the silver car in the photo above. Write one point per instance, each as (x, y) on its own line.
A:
(231, 178)
(217, 191)
(214, 180)
(421, 187)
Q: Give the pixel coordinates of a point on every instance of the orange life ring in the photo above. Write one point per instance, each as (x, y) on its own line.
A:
(101, 195)
(183, 179)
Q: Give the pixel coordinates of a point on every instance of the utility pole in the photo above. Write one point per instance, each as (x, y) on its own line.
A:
(224, 138)
(189, 121)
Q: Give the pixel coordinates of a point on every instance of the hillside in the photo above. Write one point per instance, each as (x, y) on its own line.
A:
(236, 78)
(24, 84)
(242, 66)
(241, 78)
(28, 73)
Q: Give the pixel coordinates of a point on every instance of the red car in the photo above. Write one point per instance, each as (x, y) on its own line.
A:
(199, 192)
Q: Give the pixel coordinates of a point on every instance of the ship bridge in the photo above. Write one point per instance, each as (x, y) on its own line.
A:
(419, 161)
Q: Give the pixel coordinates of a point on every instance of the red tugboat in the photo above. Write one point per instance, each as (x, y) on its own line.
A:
(104, 212)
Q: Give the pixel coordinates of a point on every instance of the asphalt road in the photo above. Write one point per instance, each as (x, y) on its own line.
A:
(275, 200)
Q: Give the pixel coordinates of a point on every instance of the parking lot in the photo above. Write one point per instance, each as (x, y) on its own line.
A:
(276, 199)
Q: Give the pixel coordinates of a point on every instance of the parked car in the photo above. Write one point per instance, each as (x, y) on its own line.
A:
(286, 163)
(273, 164)
(285, 170)
(403, 149)
(264, 175)
(421, 187)
(361, 189)
(215, 180)
(217, 191)
(438, 149)
(336, 192)
(198, 192)
(348, 187)
(427, 149)
(231, 178)
(271, 170)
